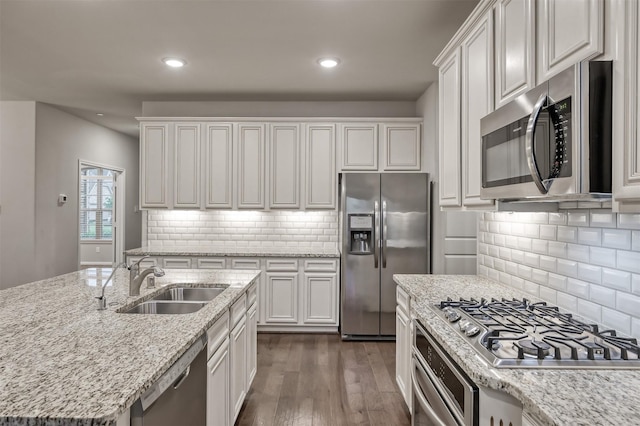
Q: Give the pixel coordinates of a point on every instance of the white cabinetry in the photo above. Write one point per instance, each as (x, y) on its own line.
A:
(284, 165)
(281, 297)
(154, 165)
(238, 357)
(320, 298)
(251, 166)
(449, 125)
(252, 342)
(515, 54)
(359, 146)
(218, 365)
(218, 147)
(320, 166)
(403, 345)
(568, 32)
(477, 101)
(186, 167)
(401, 147)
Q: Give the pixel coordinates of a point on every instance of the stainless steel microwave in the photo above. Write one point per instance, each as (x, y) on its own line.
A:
(552, 142)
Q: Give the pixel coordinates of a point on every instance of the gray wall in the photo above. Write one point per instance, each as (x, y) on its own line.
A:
(17, 192)
(279, 109)
(61, 140)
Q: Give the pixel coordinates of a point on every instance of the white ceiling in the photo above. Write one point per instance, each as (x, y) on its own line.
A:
(90, 56)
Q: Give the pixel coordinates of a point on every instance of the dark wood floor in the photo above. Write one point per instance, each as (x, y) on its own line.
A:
(316, 379)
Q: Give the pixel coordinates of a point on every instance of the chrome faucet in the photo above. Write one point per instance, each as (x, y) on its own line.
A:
(102, 301)
(136, 278)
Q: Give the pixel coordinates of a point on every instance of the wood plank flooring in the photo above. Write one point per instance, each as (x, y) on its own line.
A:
(316, 379)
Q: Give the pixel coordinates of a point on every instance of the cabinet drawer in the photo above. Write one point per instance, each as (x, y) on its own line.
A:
(289, 265)
(245, 263)
(176, 262)
(320, 265)
(403, 299)
(238, 310)
(252, 294)
(147, 263)
(211, 263)
(217, 333)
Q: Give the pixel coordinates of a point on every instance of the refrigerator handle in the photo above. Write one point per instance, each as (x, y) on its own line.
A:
(376, 220)
(384, 234)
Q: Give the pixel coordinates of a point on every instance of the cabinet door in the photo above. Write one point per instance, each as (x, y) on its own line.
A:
(252, 344)
(218, 165)
(359, 146)
(238, 358)
(401, 146)
(568, 32)
(449, 95)
(515, 26)
(320, 170)
(320, 299)
(626, 149)
(154, 165)
(477, 101)
(186, 167)
(403, 357)
(282, 298)
(218, 386)
(251, 166)
(284, 166)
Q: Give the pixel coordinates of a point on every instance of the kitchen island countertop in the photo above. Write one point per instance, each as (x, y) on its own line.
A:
(235, 251)
(554, 397)
(63, 362)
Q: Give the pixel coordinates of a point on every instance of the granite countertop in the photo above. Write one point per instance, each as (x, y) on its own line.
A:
(235, 251)
(64, 362)
(555, 397)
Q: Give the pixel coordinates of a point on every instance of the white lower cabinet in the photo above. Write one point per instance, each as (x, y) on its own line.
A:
(218, 386)
(403, 345)
(320, 298)
(282, 297)
(238, 381)
(252, 343)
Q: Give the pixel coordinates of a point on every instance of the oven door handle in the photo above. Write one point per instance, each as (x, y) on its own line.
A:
(529, 139)
(429, 411)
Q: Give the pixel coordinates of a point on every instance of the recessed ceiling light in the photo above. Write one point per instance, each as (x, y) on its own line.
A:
(99, 114)
(328, 62)
(174, 62)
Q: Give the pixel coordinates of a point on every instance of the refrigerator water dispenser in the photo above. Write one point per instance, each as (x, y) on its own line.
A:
(361, 233)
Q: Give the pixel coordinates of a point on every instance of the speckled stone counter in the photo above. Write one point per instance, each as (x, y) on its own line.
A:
(63, 362)
(234, 251)
(555, 397)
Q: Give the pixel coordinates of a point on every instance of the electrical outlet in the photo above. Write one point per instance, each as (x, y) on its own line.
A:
(98, 249)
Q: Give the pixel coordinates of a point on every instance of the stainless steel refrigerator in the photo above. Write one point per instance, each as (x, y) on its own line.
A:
(385, 231)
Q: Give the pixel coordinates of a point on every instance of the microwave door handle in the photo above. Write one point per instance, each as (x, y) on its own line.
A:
(529, 139)
(376, 232)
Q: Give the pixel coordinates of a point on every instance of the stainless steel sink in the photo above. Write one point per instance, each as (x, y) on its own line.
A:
(202, 294)
(165, 307)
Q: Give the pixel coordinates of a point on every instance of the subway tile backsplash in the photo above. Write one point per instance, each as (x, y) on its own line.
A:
(315, 229)
(586, 261)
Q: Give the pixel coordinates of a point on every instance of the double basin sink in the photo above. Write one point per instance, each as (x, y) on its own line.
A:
(177, 300)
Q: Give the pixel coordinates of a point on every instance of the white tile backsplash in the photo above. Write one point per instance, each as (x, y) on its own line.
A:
(586, 261)
(318, 229)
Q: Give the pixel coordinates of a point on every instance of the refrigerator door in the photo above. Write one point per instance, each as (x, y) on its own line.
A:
(360, 275)
(405, 237)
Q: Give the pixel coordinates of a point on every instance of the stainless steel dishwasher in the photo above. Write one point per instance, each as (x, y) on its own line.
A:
(179, 396)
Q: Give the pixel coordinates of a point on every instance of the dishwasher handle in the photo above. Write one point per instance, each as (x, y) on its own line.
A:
(182, 377)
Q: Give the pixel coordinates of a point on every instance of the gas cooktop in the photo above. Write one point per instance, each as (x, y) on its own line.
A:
(520, 334)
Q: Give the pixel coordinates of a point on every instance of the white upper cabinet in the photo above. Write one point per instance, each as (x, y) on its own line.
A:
(284, 166)
(401, 146)
(320, 166)
(218, 147)
(449, 127)
(477, 101)
(186, 168)
(251, 166)
(154, 165)
(515, 55)
(626, 131)
(359, 146)
(568, 32)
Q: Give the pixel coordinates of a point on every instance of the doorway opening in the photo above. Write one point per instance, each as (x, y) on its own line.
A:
(100, 215)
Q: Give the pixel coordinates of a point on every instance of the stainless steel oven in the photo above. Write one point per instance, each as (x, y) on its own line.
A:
(442, 394)
(553, 142)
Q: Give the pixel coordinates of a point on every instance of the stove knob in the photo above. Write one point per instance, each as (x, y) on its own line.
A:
(464, 325)
(452, 316)
(472, 331)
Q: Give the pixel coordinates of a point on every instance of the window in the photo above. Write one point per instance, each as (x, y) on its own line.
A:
(96, 203)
